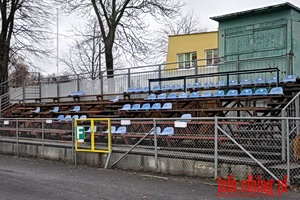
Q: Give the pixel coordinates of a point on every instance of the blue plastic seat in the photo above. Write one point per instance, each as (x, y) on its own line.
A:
(183, 95)
(185, 118)
(188, 86)
(176, 87)
(68, 118)
(259, 81)
(219, 84)
(54, 110)
(166, 87)
(83, 117)
(155, 88)
(126, 107)
(245, 82)
(136, 106)
(75, 117)
(261, 91)
(151, 97)
(90, 130)
(194, 95)
(219, 93)
(206, 93)
(232, 93)
(115, 99)
(233, 82)
(197, 85)
(60, 117)
(138, 89)
(158, 131)
(37, 110)
(146, 89)
(172, 95)
(112, 129)
(272, 80)
(156, 106)
(289, 79)
(146, 106)
(120, 130)
(276, 91)
(75, 109)
(246, 92)
(129, 90)
(74, 94)
(167, 105)
(208, 84)
(168, 131)
(161, 96)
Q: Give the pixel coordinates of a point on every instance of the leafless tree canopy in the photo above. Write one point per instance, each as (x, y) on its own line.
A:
(122, 22)
(24, 31)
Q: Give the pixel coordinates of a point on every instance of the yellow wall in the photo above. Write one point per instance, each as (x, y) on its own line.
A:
(198, 42)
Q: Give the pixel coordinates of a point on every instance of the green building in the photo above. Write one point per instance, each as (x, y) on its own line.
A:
(261, 38)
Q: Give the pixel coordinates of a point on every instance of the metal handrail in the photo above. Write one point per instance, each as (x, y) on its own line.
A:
(283, 111)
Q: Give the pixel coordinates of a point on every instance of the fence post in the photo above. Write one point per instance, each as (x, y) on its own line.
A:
(78, 85)
(128, 78)
(155, 146)
(283, 136)
(216, 148)
(17, 135)
(0, 106)
(23, 93)
(57, 87)
(288, 151)
(101, 81)
(43, 139)
(40, 85)
(159, 75)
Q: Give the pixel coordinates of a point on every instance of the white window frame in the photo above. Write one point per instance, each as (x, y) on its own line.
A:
(185, 63)
(213, 58)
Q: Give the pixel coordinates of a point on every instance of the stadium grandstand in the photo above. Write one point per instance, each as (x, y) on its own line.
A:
(237, 116)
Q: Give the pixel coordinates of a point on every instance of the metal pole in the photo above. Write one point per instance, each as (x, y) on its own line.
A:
(288, 152)
(0, 106)
(43, 139)
(17, 135)
(216, 148)
(155, 146)
(40, 85)
(128, 78)
(78, 85)
(57, 52)
(159, 75)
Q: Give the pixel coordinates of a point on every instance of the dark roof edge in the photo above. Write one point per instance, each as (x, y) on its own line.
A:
(272, 8)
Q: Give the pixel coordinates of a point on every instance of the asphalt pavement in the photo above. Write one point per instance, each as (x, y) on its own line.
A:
(34, 179)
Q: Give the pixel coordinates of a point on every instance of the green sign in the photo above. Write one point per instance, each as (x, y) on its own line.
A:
(80, 134)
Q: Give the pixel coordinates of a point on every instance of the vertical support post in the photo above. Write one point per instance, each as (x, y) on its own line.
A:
(57, 87)
(23, 93)
(78, 85)
(0, 106)
(43, 142)
(17, 135)
(283, 136)
(216, 148)
(159, 75)
(297, 112)
(101, 81)
(74, 155)
(128, 78)
(288, 151)
(40, 85)
(238, 67)
(155, 146)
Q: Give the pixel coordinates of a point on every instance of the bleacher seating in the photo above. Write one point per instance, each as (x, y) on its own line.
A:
(182, 95)
(272, 80)
(156, 106)
(165, 87)
(197, 85)
(276, 91)
(146, 106)
(208, 85)
(155, 88)
(161, 96)
(158, 131)
(112, 130)
(89, 131)
(120, 130)
(172, 96)
(168, 131)
(259, 81)
(246, 92)
(289, 79)
(219, 93)
(206, 93)
(261, 91)
(75, 117)
(167, 106)
(115, 99)
(245, 82)
(151, 97)
(233, 82)
(194, 95)
(176, 87)
(232, 93)
(37, 110)
(185, 117)
(220, 84)
(126, 107)
(136, 106)
(54, 110)
(75, 109)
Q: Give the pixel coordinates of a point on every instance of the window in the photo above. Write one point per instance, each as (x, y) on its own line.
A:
(210, 55)
(186, 60)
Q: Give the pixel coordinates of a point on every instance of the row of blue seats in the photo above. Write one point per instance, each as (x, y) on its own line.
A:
(69, 117)
(219, 93)
(258, 81)
(146, 106)
(55, 109)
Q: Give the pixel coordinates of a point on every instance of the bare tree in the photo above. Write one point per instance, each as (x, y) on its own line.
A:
(24, 29)
(84, 54)
(122, 22)
(183, 24)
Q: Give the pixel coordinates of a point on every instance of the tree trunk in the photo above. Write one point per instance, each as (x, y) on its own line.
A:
(4, 52)
(109, 60)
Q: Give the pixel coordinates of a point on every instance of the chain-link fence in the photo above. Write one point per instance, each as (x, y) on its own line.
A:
(268, 148)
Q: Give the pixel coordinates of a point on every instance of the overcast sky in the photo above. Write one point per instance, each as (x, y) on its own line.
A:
(201, 8)
(211, 8)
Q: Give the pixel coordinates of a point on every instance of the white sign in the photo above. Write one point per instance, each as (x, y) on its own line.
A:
(180, 124)
(6, 122)
(49, 121)
(125, 122)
